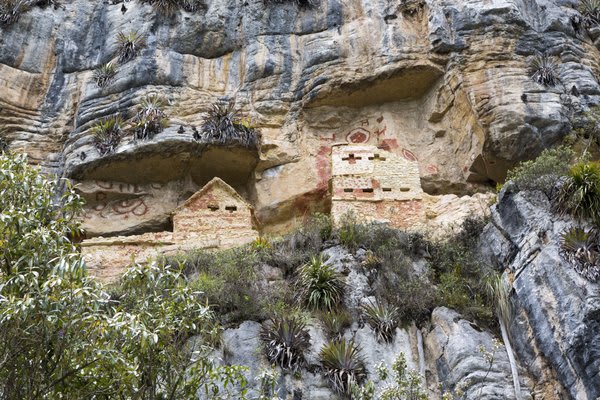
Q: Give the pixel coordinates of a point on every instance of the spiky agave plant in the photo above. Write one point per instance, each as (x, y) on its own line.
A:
(335, 322)
(544, 70)
(320, 285)
(165, 7)
(383, 319)
(129, 45)
(344, 365)
(590, 12)
(11, 10)
(193, 5)
(225, 126)
(299, 3)
(150, 119)
(104, 74)
(579, 195)
(582, 249)
(107, 134)
(286, 340)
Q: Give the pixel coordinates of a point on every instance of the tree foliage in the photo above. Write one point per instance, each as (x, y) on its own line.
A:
(63, 336)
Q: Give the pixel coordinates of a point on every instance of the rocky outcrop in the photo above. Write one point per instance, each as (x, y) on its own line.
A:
(557, 312)
(441, 82)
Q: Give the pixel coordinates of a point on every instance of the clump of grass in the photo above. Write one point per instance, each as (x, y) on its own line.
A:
(545, 70)
(286, 340)
(590, 11)
(382, 318)
(320, 286)
(129, 45)
(150, 119)
(579, 195)
(335, 322)
(543, 172)
(582, 249)
(344, 366)
(104, 74)
(107, 134)
(223, 125)
(232, 282)
(169, 7)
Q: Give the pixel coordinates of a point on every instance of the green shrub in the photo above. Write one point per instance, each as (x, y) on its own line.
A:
(286, 340)
(335, 322)
(320, 286)
(344, 366)
(232, 284)
(223, 125)
(542, 172)
(129, 45)
(382, 318)
(579, 195)
(407, 384)
(104, 74)
(545, 70)
(150, 119)
(107, 134)
(582, 249)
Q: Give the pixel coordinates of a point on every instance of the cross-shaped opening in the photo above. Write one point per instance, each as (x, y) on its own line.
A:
(213, 207)
(351, 158)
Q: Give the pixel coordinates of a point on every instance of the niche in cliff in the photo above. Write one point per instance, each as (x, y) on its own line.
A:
(395, 84)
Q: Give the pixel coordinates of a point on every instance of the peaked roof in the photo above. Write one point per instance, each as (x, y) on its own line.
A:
(216, 181)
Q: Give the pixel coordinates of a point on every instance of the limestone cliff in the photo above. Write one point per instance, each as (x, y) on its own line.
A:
(442, 82)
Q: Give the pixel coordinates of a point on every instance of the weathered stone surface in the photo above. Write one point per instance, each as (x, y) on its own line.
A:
(555, 329)
(452, 349)
(446, 83)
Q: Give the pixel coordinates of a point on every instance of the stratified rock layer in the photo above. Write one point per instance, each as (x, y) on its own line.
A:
(555, 330)
(445, 84)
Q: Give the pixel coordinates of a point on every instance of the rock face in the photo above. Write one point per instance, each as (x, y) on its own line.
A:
(444, 83)
(555, 329)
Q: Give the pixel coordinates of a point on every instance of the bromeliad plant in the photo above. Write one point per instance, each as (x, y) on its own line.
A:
(335, 322)
(383, 319)
(545, 70)
(582, 249)
(169, 7)
(150, 119)
(107, 134)
(104, 74)
(320, 286)
(129, 45)
(223, 125)
(344, 366)
(590, 12)
(579, 195)
(286, 340)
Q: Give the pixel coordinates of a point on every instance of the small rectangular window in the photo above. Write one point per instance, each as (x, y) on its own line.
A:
(367, 190)
(348, 190)
(231, 208)
(387, 189)
(213, 207)
(404, 189)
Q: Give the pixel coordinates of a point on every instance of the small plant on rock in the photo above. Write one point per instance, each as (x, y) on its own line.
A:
(580, 193)
(299, 3)
(383, 319)
(11, 10)
(286, 340)
(107, 134)
(544, 70)
(3, 144)
(225, 126)
(320, 285)
(590, 12)
(129, 45)
(104, 74)
(344, 366)
(335, 322)
(150, 119)
(407, 384)
(193, 5)
(582, 249)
